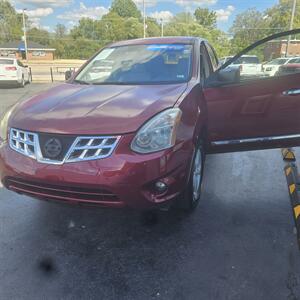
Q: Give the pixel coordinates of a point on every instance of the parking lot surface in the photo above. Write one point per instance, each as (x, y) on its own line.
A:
(239, 243)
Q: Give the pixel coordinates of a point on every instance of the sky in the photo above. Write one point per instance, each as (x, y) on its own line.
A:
(47, 13)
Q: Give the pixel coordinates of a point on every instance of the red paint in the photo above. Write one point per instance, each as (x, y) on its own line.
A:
(245, 110)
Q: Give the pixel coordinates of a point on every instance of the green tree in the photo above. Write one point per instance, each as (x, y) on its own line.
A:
(183, 17)
(86, 28)
(153, 28)
(248, 27)
(60, 31)
(125, 9)
(206, 17)
(10, 22)
(279, 16)
(38, 35)
(192, 28)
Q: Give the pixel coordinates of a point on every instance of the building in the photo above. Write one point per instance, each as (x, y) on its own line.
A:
(35, 51)
(278, 48)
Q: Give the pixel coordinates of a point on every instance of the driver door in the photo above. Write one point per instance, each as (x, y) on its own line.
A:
(257, 111)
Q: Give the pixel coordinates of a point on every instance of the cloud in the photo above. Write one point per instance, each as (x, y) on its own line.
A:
(37, 13)
(92, 12)
(148, 3)
(35, 22)
(195, 2)
(224, 14)
(45, 3)
(164, 15)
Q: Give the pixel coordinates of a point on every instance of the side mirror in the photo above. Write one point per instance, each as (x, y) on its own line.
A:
(68, 74)
(229, 75)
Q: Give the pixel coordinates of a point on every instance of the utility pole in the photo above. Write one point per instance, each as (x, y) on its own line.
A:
(144, 17)
(162, 27)
(24, 31)
(291, 27)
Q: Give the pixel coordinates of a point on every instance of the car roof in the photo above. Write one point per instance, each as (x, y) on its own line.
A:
(160, 40)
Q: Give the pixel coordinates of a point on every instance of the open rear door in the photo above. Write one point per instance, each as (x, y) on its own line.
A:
(256, 111)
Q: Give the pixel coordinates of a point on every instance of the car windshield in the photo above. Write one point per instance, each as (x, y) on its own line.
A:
(277, 61)
(295, 60)
(139, 64)
(246, 60)
(6, 62)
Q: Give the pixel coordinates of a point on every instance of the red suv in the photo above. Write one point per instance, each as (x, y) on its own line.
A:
(133, 125)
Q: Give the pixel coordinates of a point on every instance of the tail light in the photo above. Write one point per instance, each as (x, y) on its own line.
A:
(10, 68)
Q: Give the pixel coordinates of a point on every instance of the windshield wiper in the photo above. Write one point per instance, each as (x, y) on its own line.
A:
(81, 82)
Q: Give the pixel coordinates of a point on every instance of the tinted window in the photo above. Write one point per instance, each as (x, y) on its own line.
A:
(6, 62)
(213, 58)
(295, 60)
(271, 58)
(205, 68)
(140, 64)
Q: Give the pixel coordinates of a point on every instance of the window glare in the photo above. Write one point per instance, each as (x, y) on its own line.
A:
(140, 64)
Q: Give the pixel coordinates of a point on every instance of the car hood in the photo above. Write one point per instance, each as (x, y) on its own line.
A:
(92, 109)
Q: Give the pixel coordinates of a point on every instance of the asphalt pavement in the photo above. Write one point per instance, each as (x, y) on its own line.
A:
(239, 244)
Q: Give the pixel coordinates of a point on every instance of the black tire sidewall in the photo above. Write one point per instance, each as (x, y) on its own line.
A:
(22, 84)
(185, 201)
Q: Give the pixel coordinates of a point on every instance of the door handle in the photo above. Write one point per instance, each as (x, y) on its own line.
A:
(292, 92)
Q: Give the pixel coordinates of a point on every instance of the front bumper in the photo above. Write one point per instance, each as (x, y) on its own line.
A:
(123, 179)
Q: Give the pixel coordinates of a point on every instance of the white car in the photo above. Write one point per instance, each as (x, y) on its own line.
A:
(271, 67)
(249, 65)
(12, 71)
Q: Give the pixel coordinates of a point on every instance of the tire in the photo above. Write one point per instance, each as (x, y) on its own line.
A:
(190, 197)
(22, 83)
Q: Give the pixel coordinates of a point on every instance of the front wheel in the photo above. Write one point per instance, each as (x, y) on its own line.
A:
(190, 197)
(22, 83)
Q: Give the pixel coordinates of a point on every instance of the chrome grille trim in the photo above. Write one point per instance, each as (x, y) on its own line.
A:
(84, 148)
(23, 142)
(98, 149)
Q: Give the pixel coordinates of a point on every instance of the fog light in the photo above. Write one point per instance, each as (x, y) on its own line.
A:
(160, 187)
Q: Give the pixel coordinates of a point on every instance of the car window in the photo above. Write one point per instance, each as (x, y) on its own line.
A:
(295, 60)
(205, 67)
(269, 59)
(277, 61)
(213, 57)
(140, 64)
(6, 62)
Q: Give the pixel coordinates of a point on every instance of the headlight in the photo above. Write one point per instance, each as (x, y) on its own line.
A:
(4, 124)
(159, 133)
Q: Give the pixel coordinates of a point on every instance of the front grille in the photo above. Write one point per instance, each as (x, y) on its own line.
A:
(87, 148)
(59, 149)
(67, 193)
(23, 142)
